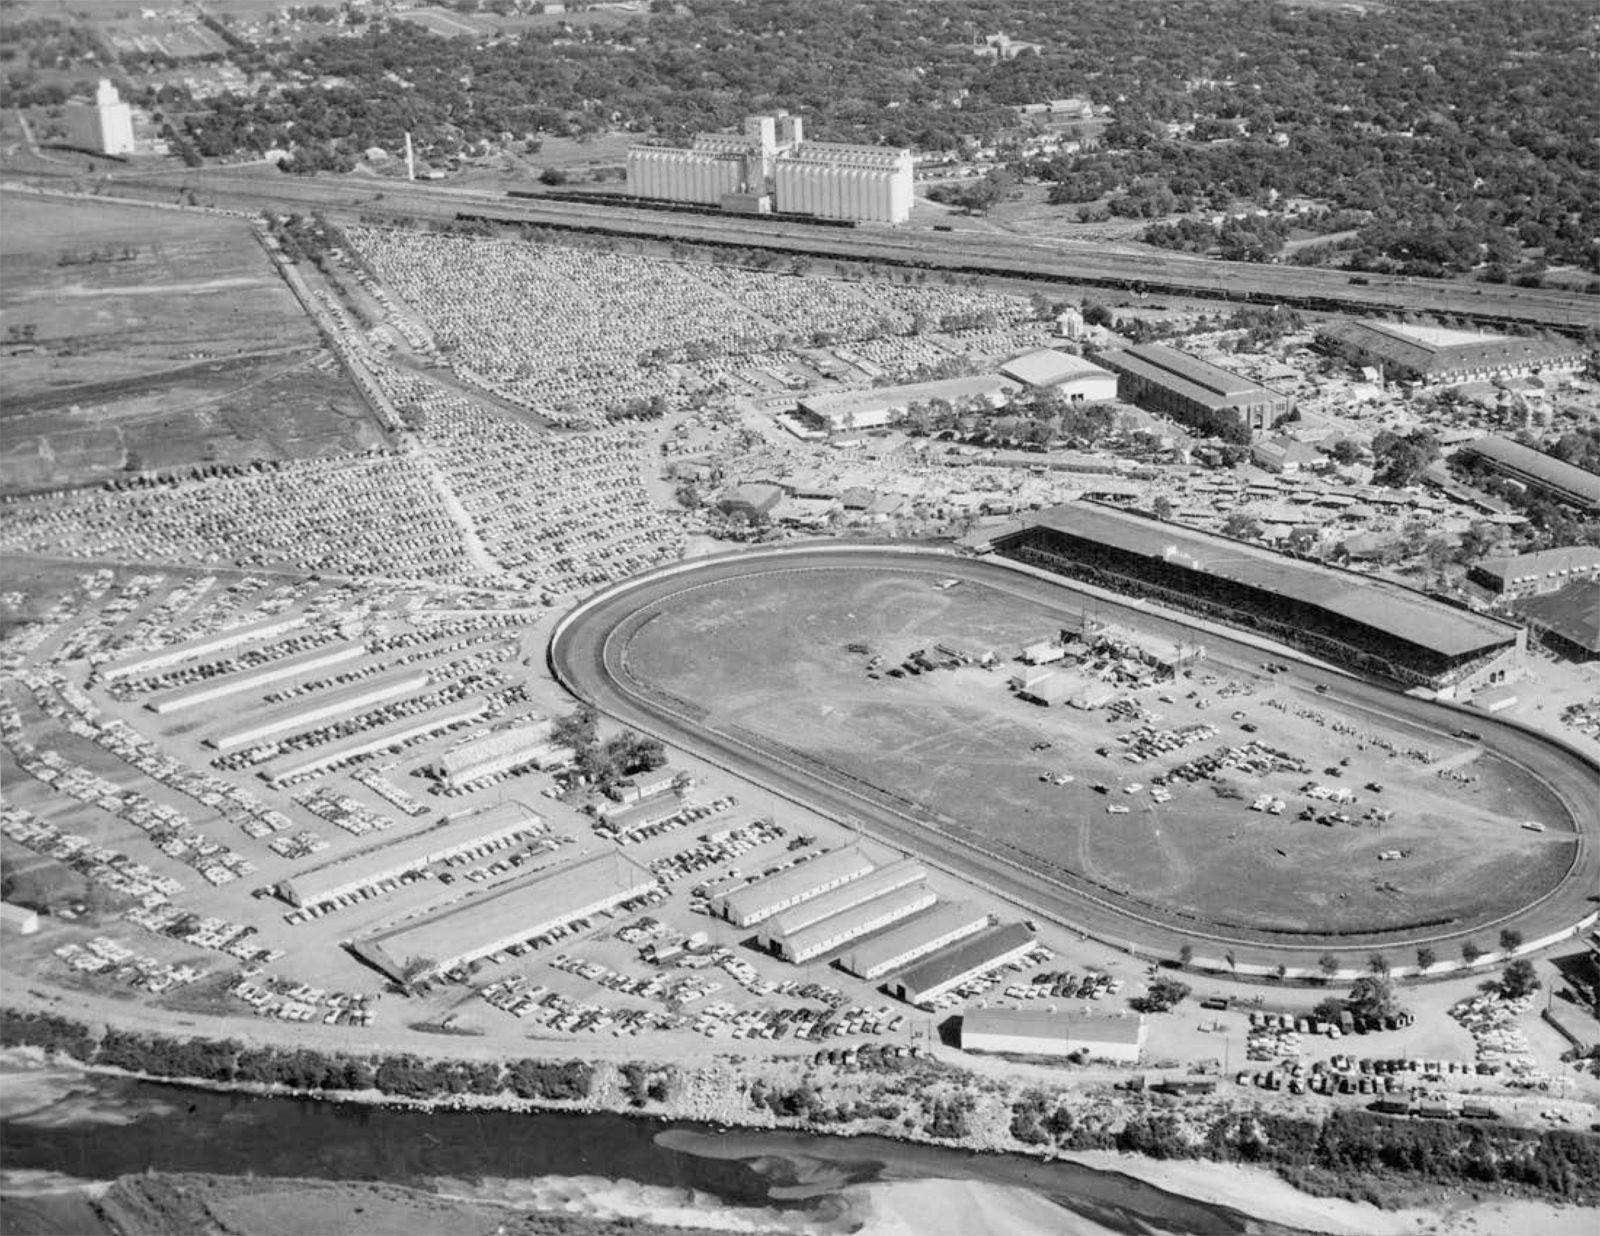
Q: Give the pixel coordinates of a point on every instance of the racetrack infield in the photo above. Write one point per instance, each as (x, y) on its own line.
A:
(758, 654)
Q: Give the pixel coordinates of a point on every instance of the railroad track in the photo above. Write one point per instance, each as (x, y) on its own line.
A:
(1074, 263)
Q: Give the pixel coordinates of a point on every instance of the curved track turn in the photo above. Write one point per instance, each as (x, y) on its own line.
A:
(587, 654)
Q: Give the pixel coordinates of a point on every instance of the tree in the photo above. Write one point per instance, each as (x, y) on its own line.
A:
(1241, 527)
(1345, 451)
(1426, 958)
(1164, 995)
(1471, 951)
(1185, 954)
(1378, 964)
(1510, 940)
(1328, 963)
(1373, 996)
(1161, 508)
(1518, 979)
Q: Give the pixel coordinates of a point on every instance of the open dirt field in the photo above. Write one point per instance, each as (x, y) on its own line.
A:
(768, 654)
(146, 339)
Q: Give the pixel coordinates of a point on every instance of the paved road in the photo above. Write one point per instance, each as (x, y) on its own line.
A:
(587, 655)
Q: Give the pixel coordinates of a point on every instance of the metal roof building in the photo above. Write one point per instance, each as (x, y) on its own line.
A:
(494, 752)
(307, 714)
(1044, 1032)
(837, 930)
(258, 677)
(761, 899)
(846, 897)
(948, 968)
(375, 864)
(1076, 378)
(1176, 384)
(1429, 354)
(903, 944)
(1569, 619)
(217, 641)
(1545, 473)
(480, 925)
(1544, 570)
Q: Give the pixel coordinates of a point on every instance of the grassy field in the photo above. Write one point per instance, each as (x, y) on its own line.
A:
(150, 339)
(769, 654)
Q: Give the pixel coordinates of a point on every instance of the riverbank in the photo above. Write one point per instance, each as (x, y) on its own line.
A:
(922, 1104)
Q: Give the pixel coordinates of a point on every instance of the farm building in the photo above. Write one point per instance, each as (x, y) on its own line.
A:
(298, 716)
(1075, 379)
(479, 926)
(761, 899)
(370, 867)
(494, 752)
(953, 965)
(1175, 384)
(1541, 473)
(837, 930)
(1344, 616)
(1044, 1032)
(904, 943)
(201, 646)
(257, 679)
(1438, 357)
(297, 765)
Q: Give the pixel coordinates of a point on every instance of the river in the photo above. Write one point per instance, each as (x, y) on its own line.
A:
(95, 1128)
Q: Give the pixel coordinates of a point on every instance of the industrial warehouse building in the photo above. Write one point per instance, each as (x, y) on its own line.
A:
(771, 166)
(915, 938)
(350, 873)
(479, 926)
(1073, 378)
(1543, 474)
(761, 899)
(1545, 570)
(324, 706)
(1438, 357)
(1044, 1032)
(1172, 383)
(256, 679)
(201, 646)
(945, 970)
(526, 742)
(1343, 616)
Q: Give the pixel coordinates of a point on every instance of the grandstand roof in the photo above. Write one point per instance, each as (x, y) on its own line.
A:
(1374, 603)
(1186, 375)
(1554, 474)
(1428, 352)
(1573, 613)
(475, 923)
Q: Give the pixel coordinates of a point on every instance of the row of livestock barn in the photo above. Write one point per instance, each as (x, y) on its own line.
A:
(1342, 616)
(878, 921)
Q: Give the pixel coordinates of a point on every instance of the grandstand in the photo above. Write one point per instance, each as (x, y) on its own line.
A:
(1368, 624)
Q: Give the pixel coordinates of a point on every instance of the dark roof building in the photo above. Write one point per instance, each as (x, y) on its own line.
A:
(754, 500)
(1542, 473)
(1569, 620)
(1341, 615)
(1545, 570)
(1175, 384)
(1446, 357)
(948, 968)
